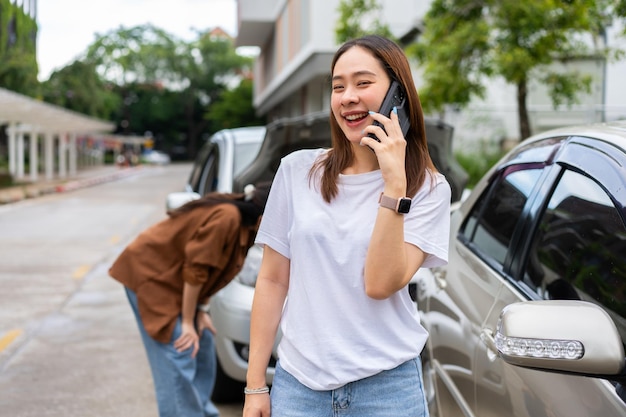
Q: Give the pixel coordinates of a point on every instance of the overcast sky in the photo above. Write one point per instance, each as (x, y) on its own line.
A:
(68, 27)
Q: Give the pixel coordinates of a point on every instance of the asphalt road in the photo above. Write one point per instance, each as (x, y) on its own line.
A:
(69, 345)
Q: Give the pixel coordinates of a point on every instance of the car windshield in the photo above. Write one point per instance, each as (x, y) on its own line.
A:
(244, 155)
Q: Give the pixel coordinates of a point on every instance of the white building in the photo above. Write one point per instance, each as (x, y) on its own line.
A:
(296, 40)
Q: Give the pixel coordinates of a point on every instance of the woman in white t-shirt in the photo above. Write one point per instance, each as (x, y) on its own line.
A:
(344, 231)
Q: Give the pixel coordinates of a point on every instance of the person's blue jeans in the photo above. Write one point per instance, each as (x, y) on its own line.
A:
(183, 384)
(394, 393)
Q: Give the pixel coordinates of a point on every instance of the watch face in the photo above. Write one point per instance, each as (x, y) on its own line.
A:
(404, 205)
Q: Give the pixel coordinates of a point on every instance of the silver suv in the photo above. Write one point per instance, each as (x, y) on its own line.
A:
(529, 317)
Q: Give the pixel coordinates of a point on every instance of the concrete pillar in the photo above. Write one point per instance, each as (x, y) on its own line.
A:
(62, 155)
(99, 159)
(49, 154)
(82, 153)
(33, 154)
(12, 132)
(19, 168)
(72, 154)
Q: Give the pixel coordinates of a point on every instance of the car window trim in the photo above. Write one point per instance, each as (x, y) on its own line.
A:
(525, 230)
(509, 269)
(569, 157)
(608, 172)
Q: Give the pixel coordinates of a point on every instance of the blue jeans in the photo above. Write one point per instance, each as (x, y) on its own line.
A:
(395, 393)
(183, 385)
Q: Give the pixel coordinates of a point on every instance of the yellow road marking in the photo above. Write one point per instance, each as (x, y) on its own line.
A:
(8, 338)
(81, 272)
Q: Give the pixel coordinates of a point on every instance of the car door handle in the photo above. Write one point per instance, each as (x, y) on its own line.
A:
(440, 277)
(486, 336)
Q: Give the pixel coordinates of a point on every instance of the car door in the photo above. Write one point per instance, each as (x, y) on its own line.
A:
(455, 306)
(572, 245)
(488, 235)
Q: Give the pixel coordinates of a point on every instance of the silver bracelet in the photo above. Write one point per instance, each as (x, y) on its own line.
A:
(261, 390)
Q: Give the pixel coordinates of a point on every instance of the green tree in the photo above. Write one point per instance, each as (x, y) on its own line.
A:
(143, 59)
(142, 54)
(210, 65)
(234, 108)
(139, 61)
(358, 18)
(18, 63)
(154, 110)
(466, 42)
(79, 88)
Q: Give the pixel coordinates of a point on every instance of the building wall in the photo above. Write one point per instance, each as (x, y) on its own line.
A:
(615, 80)
(292, 76)
(299, 54)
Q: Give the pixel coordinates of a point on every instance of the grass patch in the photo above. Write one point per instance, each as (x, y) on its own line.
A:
(5, 180)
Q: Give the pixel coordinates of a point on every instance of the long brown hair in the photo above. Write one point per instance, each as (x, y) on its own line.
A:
(340, 156)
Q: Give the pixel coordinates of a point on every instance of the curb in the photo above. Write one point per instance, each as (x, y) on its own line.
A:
(88, 182)
(27, 191)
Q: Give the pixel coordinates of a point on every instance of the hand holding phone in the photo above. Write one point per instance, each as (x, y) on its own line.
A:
(395, 97)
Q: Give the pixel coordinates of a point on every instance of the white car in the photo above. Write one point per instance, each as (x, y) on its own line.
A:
(221, 158)
(155, 157)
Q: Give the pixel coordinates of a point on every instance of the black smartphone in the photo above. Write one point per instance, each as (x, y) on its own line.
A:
(395, 97)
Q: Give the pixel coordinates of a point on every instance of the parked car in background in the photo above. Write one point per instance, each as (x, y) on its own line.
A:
(223, 156)
(313, 130)
(529, 316)
(230, 308)
(155, 157)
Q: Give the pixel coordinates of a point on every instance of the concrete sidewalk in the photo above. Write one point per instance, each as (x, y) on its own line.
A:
(83, 178)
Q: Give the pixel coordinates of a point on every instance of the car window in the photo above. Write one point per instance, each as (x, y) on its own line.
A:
(578, 251)
(244, 155)
(210, 174)
(198, 166)
(491, 223)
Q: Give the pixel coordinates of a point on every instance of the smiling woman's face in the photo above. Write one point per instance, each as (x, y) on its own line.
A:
(359, 84)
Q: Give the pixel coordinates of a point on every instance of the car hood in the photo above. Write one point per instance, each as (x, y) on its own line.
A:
(284, 136)
(312, 131)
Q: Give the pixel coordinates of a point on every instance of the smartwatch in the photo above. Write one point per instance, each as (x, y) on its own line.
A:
(400, 205)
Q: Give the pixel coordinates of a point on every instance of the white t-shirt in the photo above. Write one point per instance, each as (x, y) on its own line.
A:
(332, 332)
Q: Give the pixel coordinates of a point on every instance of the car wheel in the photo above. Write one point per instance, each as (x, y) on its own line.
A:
(430, 381)
(227, 390)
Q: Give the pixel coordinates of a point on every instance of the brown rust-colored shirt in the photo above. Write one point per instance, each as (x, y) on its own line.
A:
(206, 246)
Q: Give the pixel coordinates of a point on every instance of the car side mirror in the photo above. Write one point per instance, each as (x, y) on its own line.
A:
(175, 200)
(560, 335)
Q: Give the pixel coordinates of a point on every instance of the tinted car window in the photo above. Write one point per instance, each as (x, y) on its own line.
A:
(579, 249)
(244, 155)
(198, 166)
(208, 181)
(491, 223)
